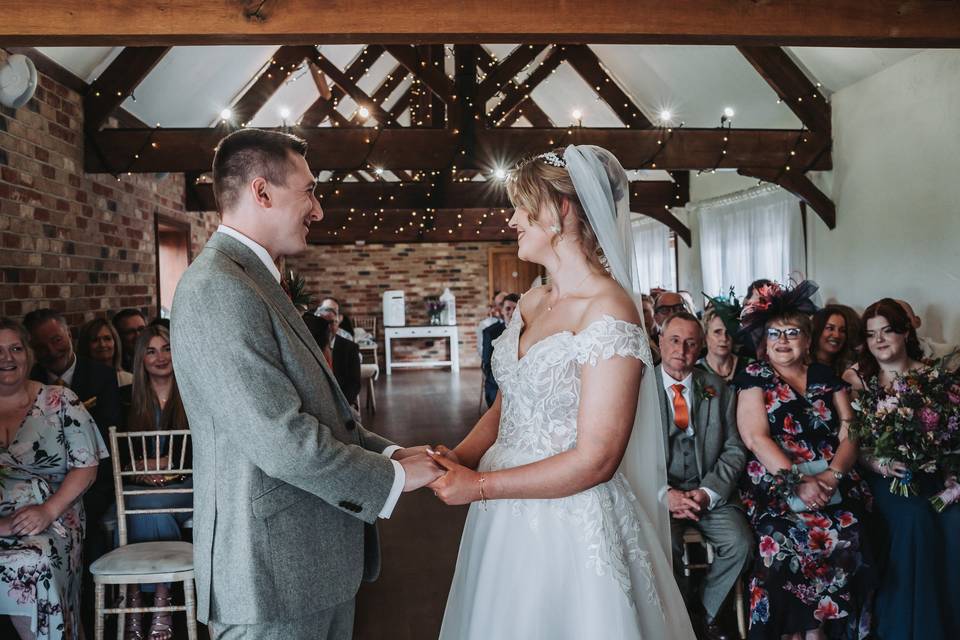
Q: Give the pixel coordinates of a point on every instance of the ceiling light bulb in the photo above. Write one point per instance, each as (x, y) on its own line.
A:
(666, 116)
(284, 113)
(226, 114)
(728, 112)
(378, 171)
(577, 114)
(500, 174)
(364, 112)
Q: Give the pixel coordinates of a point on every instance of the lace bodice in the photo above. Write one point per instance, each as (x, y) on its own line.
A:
(541, 391)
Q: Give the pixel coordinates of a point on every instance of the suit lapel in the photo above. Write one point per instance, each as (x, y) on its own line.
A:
(271, 291)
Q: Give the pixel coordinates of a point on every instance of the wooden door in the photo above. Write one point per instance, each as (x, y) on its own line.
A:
(507, 272)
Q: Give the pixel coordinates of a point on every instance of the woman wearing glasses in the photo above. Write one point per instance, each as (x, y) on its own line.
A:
(811, 576)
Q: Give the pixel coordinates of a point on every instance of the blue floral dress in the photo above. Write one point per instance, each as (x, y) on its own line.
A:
(40, 575)
(811, 568)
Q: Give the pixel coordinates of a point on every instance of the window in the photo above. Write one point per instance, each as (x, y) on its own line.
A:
(654, 247)
(756, 234)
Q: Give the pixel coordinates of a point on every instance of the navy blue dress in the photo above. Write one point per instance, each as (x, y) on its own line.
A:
(812, 568)
(918, 597)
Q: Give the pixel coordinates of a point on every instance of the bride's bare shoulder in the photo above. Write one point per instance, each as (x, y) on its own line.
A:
(610, 299)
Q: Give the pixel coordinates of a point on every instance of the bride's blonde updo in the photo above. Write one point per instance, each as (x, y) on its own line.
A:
(535, 183)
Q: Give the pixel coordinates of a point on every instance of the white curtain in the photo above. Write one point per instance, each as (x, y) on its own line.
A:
(755, 234)
(655, 258)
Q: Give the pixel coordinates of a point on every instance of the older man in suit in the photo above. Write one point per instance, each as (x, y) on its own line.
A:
(705, 458)
(287, 484)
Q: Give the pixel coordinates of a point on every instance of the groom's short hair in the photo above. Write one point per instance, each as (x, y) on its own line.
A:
(250, 153)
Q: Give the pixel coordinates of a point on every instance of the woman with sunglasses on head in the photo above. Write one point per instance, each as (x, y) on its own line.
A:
(919, 591)
(812, 574)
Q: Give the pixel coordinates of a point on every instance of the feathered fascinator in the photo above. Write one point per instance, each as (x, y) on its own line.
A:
(728, 309)
(774, 300)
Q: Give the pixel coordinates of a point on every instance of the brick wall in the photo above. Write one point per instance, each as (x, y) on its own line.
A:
(80, 243)
(358, 276)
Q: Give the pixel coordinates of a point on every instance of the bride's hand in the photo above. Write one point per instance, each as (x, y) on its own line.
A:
(459, 485)
(447, 453)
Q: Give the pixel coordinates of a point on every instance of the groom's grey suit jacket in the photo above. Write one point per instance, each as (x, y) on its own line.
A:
(719, 451)
(284, 477)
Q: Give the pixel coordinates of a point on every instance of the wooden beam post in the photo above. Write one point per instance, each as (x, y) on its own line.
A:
(517, 93)
(117, 82)
(801, 186)
(586, 63)
(349, 86)
(791, 85)
(321, 108)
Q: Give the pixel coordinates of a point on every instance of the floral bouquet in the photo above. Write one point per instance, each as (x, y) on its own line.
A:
(918, 423)
(435, 307)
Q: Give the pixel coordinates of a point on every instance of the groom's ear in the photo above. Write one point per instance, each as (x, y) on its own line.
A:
(260, 190)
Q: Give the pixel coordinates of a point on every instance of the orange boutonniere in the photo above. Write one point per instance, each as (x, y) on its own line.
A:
(706, 392)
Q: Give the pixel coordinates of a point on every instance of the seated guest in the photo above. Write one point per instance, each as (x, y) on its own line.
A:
(813, 572)
(919, 592)
(720, 358)
(745, 345)
(493, 317)
(931, 350)
(490, 334)
(705, 459)
(128, 323)
(156, 406)
(344, 355)
(99, 341)
(665, 305)
(836, 337)
(96, 386)
(330, 309)
(320, 330)
(49, 452)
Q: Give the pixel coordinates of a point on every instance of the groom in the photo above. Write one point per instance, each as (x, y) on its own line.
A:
(287, 485)
(705, 458)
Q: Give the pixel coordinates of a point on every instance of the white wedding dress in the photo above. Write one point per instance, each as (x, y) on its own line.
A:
(584, 567)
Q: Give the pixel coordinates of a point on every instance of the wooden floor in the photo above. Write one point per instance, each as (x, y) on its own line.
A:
(419, 542)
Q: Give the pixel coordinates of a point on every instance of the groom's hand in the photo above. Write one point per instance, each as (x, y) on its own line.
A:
(406, 452)
(420, 471)
(459, 485)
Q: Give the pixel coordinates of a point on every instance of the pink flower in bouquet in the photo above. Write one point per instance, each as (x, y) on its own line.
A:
(929, 419)
(827, 609)
(887, 405)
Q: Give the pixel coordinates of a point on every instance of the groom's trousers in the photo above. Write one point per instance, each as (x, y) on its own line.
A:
(335, 623)
(726, 528)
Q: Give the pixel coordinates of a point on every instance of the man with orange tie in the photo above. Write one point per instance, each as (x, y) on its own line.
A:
(705, 459)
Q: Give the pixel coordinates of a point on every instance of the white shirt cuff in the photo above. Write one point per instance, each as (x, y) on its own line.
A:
(389, 450)
(399, 478)
(713, 495)
(662, 494)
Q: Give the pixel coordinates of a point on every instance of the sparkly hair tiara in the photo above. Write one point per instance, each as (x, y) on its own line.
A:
(551, 158)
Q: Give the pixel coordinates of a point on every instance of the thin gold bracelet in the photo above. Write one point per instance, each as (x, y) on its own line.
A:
(483, 498)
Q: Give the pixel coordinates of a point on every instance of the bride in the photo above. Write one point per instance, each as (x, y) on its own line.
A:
(565, 538)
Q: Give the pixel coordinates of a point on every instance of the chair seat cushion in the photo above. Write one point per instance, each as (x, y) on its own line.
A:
(369, 371)
(145, 558)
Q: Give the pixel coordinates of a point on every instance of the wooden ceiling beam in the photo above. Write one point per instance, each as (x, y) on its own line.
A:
(507, 70)
(322, 108)
(801, 186)
(518, 92)
(385, 89)
(588, 66)
(850, 23)
(434, 77)
(527, 106)
(341, 226)
(645, 195)
(283, 63)
(117, 82)
(336, 148)
(791, 85)
(349, 86)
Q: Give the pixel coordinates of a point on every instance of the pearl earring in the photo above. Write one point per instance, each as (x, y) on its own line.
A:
(556, 229)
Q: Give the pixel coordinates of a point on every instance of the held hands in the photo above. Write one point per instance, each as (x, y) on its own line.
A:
(888, 468)
(812, 492)
(687, 505)
(418, 467)
(459, 485)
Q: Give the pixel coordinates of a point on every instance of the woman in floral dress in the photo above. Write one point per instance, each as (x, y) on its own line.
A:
(49, 451)
(812, 576)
